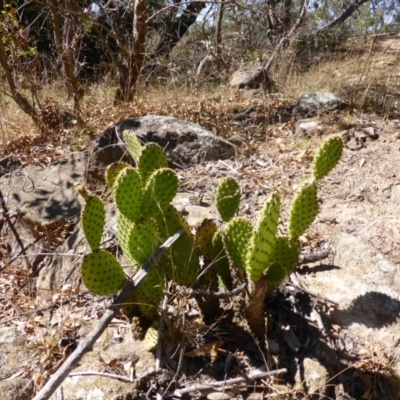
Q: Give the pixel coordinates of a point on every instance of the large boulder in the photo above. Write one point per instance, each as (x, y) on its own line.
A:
(311, 104)
(254, 77)
(184, 142)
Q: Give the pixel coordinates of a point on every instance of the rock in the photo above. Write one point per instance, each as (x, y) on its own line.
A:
(312, 104)
(14, 355)
(129, 353)
(254, 77)
(312, 378)
(184, 143)
(366, 288)
(308, 128)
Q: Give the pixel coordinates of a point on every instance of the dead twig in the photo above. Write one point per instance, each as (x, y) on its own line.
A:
(247, 378)
(56, 380)
(311, 258)
(222, 295)
(13, 230)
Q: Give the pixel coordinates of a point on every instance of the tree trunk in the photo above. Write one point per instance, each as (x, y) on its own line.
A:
(22, 102)
(346, 14)
(65, 47)
(129, 76)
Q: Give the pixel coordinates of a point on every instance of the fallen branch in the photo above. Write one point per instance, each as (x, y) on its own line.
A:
(311, 258)
(252, 377)
(56, 380)
(13, 230)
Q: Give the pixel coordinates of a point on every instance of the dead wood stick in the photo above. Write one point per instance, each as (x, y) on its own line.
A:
(57, 379)
(13, 230)
(314, 257)
(251, 377)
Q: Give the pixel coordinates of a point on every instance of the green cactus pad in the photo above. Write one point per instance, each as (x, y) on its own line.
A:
(304, 209)
(112, 173)
(221, 261)
(286, 253)
(128, 194)
(151, 338)
(328, 156)
(149, 293)
(181, 261)
(160, 190)
(263, 240)
(227, 198)
(124, 226)
(275, 275)
(237, 238)
(204, 239)
(143, 240)
(93, 219)
(151, 159)
(101, 273)
(133, 145)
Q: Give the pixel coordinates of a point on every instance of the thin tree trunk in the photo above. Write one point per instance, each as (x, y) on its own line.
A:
(65, 49)
(22, 102)
(218, 32)
(129, 76)
(346, 14)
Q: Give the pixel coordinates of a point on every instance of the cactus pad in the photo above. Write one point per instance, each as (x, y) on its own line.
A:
(159, 191)
(151, 338)
(128, 194)
(149, 293)
(286, 253)
(101, 273)
(227, 198)
(133, 145)
(181, 261)
(327, 157)
(303, 210)
(112, 173)
(237, 239)
(93, 219)
(275, 275)
(143, 240)
(124, 225)
(204, 239)
(263, 240)
(151, 159)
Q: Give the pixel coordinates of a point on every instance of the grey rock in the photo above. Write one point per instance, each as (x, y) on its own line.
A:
(312, 378)
(184, 143)
(308, 128)
(312, 104)
(366, 289)
(254, 77)
(14, 355)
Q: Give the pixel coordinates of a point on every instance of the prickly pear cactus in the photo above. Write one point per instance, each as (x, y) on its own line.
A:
(227, 198)
(304, 209)
(210, 242)
(112, 173)
(93, 220)
(327, 157)
(160, 190)
(152, 159)
(263, 240)
(133, 145)
(237, 235)
(128, 194)
(101, 273)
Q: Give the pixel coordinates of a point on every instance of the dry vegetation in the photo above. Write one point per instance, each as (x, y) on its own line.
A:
(363, 71)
